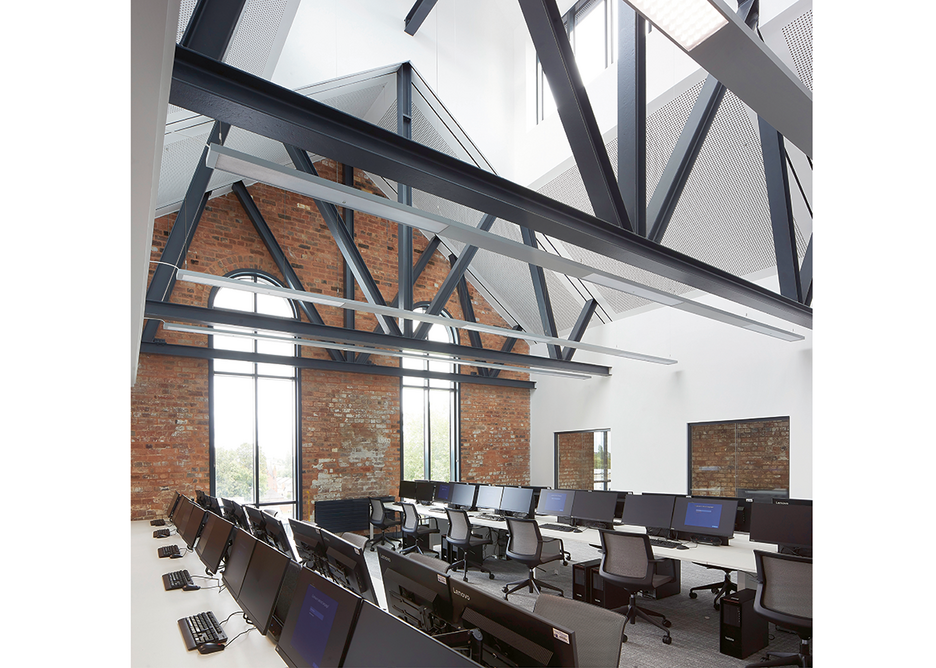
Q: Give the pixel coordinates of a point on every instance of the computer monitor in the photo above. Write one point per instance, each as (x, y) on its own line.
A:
(240, 515)
(619, 506)
(380, 639)
(510, 632)
(193, 526)
(216, 537)
(408, 490)
(443, 491)
(415, 592)
(653, 511)
(214, 505)
(594, 507)
(792, 502)
(261, 584)
(171, 508)
(276, 531)
(309, 544)
(517, 500)
(489, 497)
(255, 518)
(201, 499)
(318, 624)
(788, 526)
(348, 566)
(555, 502)
(743, 514)
(464, 495)
(242, 547)
(424, 492)
(183, 512)
(704, 519)
(283, 600)
(227, 510)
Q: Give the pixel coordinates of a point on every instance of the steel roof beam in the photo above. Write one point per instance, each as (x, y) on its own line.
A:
(538, 278)
(414, 19)
(578, 331)
(632, 115)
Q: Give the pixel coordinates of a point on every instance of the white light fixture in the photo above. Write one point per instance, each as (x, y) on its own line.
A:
(686, 22)
(367, 350)
(288, 293)
(258, 169)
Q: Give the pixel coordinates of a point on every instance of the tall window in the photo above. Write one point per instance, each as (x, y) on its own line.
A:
(429, 418)
(592, 29)
(253, 409)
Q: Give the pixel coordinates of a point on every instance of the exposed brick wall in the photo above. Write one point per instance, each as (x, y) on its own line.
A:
(731, 456)
(577, 460)
(350, 423)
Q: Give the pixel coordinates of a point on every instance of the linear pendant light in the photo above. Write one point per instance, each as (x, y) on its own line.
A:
(287, 293)
(249, 167)
(279, 338)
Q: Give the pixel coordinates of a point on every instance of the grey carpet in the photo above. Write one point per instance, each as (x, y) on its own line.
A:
(695, 629)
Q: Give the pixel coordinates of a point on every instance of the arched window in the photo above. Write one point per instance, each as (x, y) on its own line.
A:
(430, 422)
(254, 409)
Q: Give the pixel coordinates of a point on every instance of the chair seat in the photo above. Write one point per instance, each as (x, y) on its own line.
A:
(422, 530)
(659, 580)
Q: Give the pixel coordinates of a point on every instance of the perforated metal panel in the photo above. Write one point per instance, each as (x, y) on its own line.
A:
(798, 36)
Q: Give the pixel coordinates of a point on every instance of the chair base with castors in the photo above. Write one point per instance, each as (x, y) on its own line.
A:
(720, 589)
(631, 611)
(534, 584)
(803, 658)
(464, 562)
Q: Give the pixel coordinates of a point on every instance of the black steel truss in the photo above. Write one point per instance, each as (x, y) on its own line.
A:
(506, 347)
(632, 115)
(211, 26)
(214, 89)
(464, 299)
(551, 41)
(347, 178)
(578, 331)
(417, 15)
(538, 278)
(216, 316)
(404, 103)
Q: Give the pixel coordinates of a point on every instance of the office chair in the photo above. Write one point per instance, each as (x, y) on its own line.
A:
(459, 535)
(627, 561)
(382, 520)
(597, 631)
(526, 546)
(720, 589)
(784, 597)
(413, 528)
(355, 539)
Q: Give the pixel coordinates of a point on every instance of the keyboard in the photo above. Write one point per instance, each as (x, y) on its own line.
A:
(177, 580)
(558, 527)
(168, 550)
(493, 518)
(659, 542)
(161, 533)
(157, 523)
(200, 629)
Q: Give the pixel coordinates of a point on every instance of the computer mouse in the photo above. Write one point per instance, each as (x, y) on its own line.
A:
(209, 647)
(176, 556)
(681, 547)
(190, 587)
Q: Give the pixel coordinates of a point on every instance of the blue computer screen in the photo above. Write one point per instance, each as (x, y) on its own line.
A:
(554, 503)
(313, 627)
(706, 515)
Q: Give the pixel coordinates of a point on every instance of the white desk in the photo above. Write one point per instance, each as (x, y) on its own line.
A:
(155, 639)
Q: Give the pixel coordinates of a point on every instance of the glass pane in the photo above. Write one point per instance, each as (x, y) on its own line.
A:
(412, 363)
(276, 428)
(233, 343)
(547, 101)
(442, 335)
(233, 405)
(269, 305)
(602, 460)
(236, 300)
(413, 434)
(285, 348)
(440, 429)
(590, 42)
(283, 512)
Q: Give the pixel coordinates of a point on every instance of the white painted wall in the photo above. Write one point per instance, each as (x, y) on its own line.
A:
(464, 50)
(724, 373)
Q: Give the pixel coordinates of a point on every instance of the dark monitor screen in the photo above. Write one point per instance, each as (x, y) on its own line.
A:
(255, 517)
(240, 515)
(524, 638)
(318, 624)
(742, 515)
(277, 533)
(705, 516)
(214, 505)
(654, 511)
(781, 524)
(194, 525)
(792, 502)
(414, 589)
(517, 500)
(408, 489)
(242, 549)
(171, 508)
(464, 495)
(214, 541)
(183, 512)
(348, 565)
(424, 491)
(443, 491)
(619, 506)
(555, 502)
(261, 584)
(489, 496)
(380, 639)
(594, 506)
(308, 540)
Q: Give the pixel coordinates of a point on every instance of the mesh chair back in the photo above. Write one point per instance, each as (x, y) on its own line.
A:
(525, 539)
(376, 511)
(597, 631)
(785, 587)
(410, 517)
(355, 539)
(627, 558)
(459, 531)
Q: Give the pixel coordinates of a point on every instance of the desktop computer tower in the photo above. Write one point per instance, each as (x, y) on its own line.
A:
(743, 631)
(582, 578)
